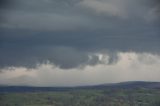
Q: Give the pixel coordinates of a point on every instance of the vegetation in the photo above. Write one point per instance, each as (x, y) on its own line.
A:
(84, 97)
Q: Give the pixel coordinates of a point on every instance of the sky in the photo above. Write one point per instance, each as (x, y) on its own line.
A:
(79, 42)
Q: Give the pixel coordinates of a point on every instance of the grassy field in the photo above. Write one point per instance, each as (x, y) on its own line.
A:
(84, 97)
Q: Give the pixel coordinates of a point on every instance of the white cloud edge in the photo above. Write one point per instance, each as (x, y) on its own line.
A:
(131, 66)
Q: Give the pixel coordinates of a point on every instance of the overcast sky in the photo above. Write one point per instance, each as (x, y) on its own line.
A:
(79, 42)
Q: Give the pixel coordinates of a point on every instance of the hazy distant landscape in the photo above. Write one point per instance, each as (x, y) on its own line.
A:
(120, 94)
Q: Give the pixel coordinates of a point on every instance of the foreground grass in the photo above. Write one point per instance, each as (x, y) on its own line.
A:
(84, 97)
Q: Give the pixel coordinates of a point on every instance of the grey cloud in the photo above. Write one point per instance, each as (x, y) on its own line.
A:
(3, 3)
(70, 49)
(44, 21)
(65, 32)
(71, 14)
(63, 57)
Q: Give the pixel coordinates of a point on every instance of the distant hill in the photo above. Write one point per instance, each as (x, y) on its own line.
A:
(122, 85)
(131, 85)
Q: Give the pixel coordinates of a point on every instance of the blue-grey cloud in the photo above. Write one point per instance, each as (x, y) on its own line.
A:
(67, 32)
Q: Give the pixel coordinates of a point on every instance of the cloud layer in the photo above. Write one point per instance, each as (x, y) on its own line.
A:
(77, 14)
(130, 66)
(66, 32)
(73, 37)
(70, 49)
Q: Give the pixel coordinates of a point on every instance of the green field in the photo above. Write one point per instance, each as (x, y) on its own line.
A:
(84, 97)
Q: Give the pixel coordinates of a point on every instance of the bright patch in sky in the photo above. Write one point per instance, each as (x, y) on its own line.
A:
(129, 67)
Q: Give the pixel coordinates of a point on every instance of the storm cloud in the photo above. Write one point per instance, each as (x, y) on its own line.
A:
(75, 34)
(67, 32)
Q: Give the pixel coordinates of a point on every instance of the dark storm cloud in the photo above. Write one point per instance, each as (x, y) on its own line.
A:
(3, 3)
(68, 50)
(75, 14)
(67, 32)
